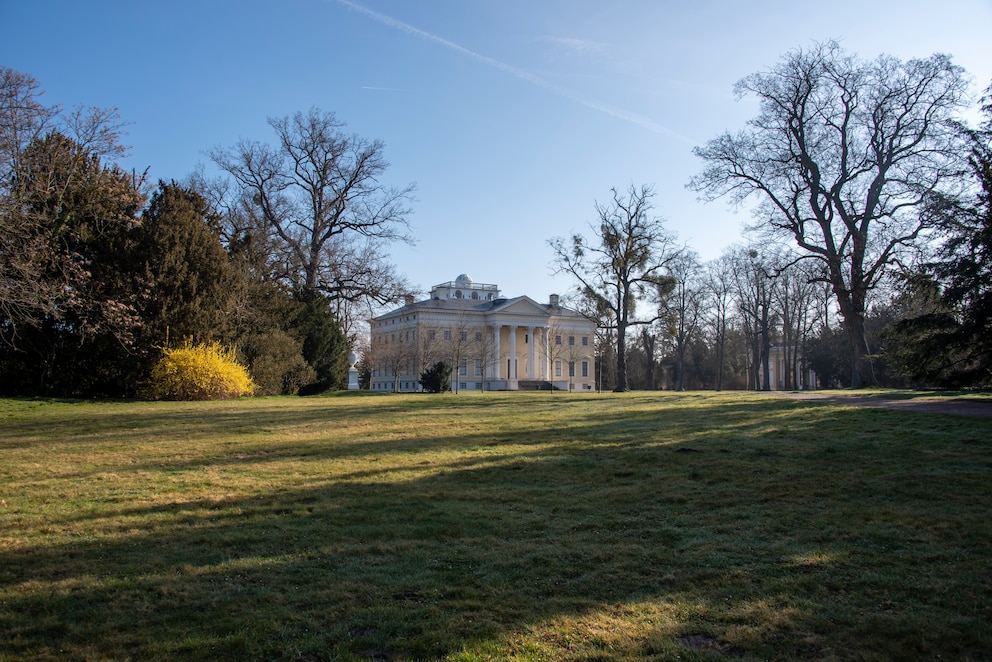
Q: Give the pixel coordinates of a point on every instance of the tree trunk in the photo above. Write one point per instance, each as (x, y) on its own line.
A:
(766, 347)
(621, 358)
(852, 310)
(721, 349)
(861, 370)
(648, 343)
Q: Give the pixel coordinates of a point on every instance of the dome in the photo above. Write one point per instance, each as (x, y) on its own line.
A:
(464, 279)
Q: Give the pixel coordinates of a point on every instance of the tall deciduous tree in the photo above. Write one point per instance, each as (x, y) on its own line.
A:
(683, 308)
(329, 220)
(319, 190)
(719, 282)
(754, 290)
(626, 262)
(849, 158)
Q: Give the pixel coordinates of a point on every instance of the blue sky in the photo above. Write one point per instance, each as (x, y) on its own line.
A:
(511, 116)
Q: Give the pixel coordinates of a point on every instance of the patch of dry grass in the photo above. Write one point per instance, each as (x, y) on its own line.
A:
(506, 526)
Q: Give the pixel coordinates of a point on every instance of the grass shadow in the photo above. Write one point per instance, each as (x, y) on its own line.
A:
(638, 526)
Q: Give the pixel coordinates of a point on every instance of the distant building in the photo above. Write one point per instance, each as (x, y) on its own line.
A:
(788, 369)
(491, 343)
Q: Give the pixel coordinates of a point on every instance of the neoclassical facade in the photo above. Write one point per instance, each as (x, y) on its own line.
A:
(492, 343)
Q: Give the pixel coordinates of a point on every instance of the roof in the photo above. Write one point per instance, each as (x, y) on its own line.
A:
(483, 307)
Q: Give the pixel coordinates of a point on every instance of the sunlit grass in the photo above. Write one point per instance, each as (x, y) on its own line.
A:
(526, 526)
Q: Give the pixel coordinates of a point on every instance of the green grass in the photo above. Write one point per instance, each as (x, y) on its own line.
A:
(527, 526)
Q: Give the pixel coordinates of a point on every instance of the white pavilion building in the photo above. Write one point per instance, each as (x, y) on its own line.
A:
(492, 343)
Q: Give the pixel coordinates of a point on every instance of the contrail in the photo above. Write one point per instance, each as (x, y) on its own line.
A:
(634, 118)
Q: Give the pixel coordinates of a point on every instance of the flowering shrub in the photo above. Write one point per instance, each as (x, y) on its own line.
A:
(199, 372)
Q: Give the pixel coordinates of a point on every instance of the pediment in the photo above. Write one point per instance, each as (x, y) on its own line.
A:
(520, 306)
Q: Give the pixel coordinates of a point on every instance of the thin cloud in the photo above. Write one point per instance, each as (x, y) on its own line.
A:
(618, 113)
(575, 45)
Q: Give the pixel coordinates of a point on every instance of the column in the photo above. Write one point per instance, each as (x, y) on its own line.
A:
(497, 361)
(511, 370)
(545, 369)
(530, 352)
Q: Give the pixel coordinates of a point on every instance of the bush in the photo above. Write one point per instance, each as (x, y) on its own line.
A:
(276, 363)
(436, 379)
(199, 372)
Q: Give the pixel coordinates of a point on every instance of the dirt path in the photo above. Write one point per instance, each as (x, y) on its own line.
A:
(937, 406)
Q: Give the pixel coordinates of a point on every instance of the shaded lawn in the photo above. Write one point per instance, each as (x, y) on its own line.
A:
(524, 526)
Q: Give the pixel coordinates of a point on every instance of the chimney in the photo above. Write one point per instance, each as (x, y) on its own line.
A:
(554, 300)
(408, 299)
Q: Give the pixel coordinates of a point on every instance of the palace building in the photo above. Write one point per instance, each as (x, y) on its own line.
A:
(490, 342)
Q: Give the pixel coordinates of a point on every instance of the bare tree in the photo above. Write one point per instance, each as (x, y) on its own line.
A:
(626, 263)
(796, 301)
(683, 308)
(649, 343)
(319, 192)
(754, 288)
(719, 281)
(850, 159)
(460, 346)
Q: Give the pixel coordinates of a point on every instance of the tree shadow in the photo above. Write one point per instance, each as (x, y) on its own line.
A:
(742, 543)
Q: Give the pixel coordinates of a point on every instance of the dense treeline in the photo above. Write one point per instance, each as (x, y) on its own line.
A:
(283, 257)
(100, 272)
(868, 261)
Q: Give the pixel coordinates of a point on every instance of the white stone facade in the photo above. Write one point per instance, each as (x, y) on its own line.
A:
(491, 343)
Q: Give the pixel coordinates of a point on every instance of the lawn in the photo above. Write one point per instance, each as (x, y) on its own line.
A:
(524, 526)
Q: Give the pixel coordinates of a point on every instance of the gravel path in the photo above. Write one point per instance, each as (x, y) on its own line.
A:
(937, 406)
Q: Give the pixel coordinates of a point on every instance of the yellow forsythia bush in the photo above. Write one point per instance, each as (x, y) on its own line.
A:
(199, 372)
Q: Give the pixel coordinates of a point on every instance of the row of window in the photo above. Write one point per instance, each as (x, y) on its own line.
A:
(571, 341)
(477, 365)
(463, 336)
(571, 368)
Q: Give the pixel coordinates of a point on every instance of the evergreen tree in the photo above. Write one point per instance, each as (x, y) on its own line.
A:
(185, 269)
(78, 218)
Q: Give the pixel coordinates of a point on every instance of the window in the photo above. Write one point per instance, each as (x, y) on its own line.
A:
(447, 334)
(463, 335)
(585, 341)
(526, 338)
(478, 336)
(557, 368)
(463, 367)
(557, 340)
(432, 334)
(478, 367)
(585, 368)
(571, 341)
(571, 368)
